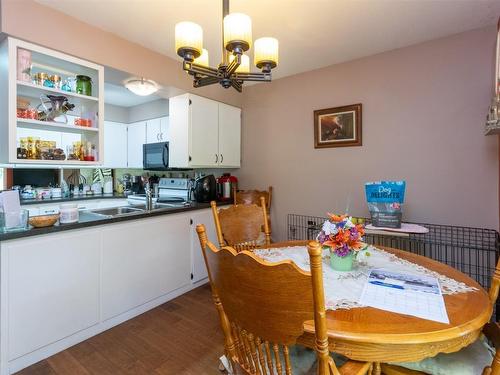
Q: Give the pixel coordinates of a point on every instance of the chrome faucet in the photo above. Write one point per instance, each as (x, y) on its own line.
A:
(149, 197)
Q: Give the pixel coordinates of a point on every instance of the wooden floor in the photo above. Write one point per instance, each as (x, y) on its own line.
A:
(182, 336)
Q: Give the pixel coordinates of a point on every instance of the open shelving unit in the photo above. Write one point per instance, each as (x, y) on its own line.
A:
(12, 128)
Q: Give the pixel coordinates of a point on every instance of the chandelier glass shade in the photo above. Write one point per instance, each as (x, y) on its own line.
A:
(202, 59)
(237, 39)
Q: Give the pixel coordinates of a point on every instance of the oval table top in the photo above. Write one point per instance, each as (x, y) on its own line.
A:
(372, 334)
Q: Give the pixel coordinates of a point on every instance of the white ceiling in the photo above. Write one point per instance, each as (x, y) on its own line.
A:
(119, 95)
(115, 93)
(312, 33)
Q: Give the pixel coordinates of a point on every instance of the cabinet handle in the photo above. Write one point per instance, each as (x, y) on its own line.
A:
(221, 158)
(158, 136)
(161, 136)
(216, 158)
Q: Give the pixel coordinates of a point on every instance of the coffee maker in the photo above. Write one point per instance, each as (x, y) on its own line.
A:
(137, 186)
(132, 184)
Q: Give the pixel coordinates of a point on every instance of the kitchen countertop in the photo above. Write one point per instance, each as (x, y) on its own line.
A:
(85, 223)
(72, 198)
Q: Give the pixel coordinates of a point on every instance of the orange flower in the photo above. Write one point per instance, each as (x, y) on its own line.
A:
(336, 218)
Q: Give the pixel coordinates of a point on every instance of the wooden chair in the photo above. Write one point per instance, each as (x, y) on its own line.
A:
(490, 330)
(242, 226)
(262, 308)
(253, 197)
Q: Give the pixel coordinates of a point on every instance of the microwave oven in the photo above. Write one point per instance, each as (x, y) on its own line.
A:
(155, 156)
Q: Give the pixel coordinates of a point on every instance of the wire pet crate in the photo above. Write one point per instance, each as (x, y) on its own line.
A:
(473, 251)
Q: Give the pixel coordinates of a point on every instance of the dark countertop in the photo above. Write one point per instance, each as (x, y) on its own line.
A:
(72, 198)
(104, 220)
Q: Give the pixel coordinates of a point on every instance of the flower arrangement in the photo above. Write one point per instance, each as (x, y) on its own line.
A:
(341, 235)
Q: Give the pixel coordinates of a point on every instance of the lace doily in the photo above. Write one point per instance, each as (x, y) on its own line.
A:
(343, 289)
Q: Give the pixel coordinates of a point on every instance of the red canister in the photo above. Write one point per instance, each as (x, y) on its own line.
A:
(225, 186)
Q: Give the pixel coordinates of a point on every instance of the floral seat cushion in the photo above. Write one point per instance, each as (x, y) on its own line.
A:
(302, 360)
(468, 361)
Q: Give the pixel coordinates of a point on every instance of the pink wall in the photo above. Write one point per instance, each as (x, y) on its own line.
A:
(28, 20)
(424, 108)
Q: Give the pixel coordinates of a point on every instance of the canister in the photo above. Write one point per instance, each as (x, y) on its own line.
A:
(68, 213)
(83, 85)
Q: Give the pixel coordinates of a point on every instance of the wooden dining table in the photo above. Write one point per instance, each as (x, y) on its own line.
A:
(379, 336)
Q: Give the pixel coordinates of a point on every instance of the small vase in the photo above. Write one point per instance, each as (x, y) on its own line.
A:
(342, 263)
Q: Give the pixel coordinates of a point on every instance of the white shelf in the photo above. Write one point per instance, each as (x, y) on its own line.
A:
(30, 89)
(61, 163)
(13, 128)
(53, 126)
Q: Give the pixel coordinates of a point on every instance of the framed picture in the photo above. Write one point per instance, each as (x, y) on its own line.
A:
(337, 127)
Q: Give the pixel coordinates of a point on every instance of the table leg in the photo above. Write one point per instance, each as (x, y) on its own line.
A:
(376, 368)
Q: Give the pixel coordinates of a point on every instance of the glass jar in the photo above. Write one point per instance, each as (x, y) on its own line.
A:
(83, 85)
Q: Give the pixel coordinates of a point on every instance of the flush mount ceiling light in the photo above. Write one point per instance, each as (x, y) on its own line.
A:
(235, 66)
(141, 87)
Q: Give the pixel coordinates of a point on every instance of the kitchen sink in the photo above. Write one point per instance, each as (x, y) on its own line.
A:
(118, 211)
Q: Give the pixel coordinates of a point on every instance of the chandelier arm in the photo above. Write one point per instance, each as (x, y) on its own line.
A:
(205, 81)
(194, 69)
(237, 85)
(256, 77)
(233, 65)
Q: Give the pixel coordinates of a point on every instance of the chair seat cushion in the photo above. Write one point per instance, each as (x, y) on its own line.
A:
(468, 361)
(302, 360)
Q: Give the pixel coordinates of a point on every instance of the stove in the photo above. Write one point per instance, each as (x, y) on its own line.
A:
(171, 191)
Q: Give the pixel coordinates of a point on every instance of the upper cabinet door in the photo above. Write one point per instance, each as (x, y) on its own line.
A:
(229, 136)
(204, 136)
(164, 129)
(153, 130)
(115, 145)
(136, 137)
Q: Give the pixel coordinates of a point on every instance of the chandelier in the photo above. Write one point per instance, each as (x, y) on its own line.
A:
(235, 66)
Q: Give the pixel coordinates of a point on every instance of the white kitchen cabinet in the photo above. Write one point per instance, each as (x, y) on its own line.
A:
(61, 288)
(198, 267)
(136, 138)
(53, 288)
(153, 130)
(203, 133)
(164, 129)
(12, 128)
(143, 260)
(229, 136)
(157, 130)
(115, 145)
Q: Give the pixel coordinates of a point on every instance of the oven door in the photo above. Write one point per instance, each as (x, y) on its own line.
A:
(155, 156)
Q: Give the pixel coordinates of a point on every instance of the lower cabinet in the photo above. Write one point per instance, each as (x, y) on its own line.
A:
(59, 287)
(53, 288)
(205, 217)
(142, 261)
